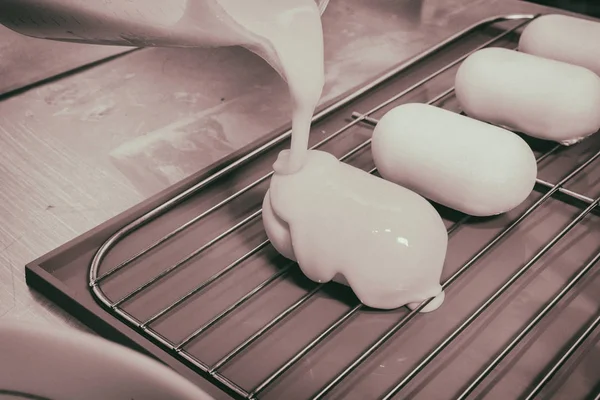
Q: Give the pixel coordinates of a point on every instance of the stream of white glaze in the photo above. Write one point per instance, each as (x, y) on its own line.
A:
(293, 46)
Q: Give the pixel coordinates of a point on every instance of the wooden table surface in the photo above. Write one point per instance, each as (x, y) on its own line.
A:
(80, 148)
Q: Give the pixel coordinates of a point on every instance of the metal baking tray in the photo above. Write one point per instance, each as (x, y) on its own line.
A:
(190, 278)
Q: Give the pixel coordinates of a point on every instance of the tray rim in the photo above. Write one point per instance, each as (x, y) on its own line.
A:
(97, 318)
(94, 316)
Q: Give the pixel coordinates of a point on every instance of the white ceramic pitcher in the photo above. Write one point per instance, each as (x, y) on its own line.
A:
(140, 23)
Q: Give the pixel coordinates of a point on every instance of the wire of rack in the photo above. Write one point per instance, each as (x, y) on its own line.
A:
(213, 371)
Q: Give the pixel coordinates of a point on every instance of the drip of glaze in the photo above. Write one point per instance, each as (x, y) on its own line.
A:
(342, 224)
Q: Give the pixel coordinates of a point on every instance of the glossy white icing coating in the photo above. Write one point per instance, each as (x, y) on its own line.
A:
(343, 224)
(293, 45)
(453, 160)
(539, 97)
(563, 38)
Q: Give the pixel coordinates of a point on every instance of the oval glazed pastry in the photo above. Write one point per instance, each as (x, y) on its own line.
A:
(453, 160)
(563, 38)
(539, 97)
(343, 224)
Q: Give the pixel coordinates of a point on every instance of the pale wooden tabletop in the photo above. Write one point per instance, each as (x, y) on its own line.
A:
(78, 150)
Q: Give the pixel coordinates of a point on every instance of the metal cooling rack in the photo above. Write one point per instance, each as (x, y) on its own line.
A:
(213, 370)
